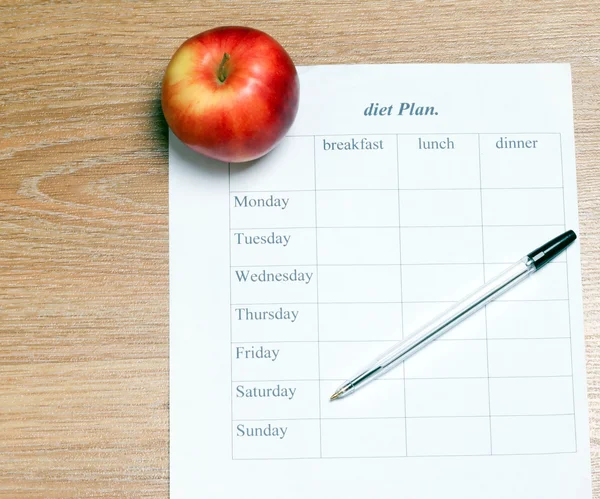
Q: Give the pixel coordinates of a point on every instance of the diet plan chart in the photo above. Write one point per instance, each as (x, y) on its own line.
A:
(398, 190)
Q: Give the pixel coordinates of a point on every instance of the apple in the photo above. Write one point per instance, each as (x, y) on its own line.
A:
(230, 93)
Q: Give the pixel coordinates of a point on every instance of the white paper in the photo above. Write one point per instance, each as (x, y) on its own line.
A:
(291, 273)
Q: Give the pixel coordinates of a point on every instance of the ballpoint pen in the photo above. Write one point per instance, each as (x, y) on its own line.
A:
(458, 312)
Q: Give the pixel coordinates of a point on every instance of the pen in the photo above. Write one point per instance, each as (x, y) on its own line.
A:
(458, 312)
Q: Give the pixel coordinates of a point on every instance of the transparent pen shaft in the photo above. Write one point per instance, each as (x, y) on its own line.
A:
(450, 318)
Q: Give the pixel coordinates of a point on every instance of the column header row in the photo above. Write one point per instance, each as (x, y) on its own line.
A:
(406, 162)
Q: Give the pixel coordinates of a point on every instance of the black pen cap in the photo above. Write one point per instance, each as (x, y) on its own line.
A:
(542, 255)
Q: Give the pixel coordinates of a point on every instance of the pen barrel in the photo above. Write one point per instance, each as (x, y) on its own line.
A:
(456, 314)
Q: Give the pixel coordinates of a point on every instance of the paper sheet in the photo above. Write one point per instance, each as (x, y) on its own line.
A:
(398, 190)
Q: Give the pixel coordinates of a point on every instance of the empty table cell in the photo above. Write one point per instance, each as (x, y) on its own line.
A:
(360, 321)
(422, 245)
(533, 434)
(550, 283)
(359, 283)
(383, 398)
(290, 166)
(448, 436)
(440, 282)
(355, 208)
(548, 357)
(523, 207)
(509, 244)
(532, 319)
(363, 437)
(417, 315)
(340, 360)
(449, 359)
(432, 208)
(358, 246)
(531, 396)
(447, 397)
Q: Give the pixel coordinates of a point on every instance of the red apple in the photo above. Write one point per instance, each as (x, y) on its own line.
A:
(230, 93)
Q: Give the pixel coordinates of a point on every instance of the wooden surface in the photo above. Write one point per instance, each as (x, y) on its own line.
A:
(84, 215)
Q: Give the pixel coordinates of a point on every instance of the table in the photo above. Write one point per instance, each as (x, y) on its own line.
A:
(371, 211)
(84, 215)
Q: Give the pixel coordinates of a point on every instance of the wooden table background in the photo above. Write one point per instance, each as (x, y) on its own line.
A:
(84, 215)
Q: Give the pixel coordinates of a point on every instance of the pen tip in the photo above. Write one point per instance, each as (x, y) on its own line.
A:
(337, 394)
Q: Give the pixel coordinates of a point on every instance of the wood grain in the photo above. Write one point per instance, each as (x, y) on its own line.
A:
(84, 214)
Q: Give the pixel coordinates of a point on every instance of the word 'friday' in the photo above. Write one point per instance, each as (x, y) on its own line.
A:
(256, 353)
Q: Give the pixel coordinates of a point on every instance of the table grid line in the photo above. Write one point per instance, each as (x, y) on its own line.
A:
(562, 172)
(317, 295)
(402, 325)
(368, 418)
(472, 226)
(398, 339)
(453, 264)
(230, 319)
(415, 456)
(391, 189)
(390, 378)
(421, 134)
(487, 349)
(388, 302)
(402, 302)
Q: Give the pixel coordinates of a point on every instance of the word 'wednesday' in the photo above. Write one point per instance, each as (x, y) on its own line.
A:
(267, 276)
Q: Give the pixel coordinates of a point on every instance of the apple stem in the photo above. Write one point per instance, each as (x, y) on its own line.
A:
(221, 72)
